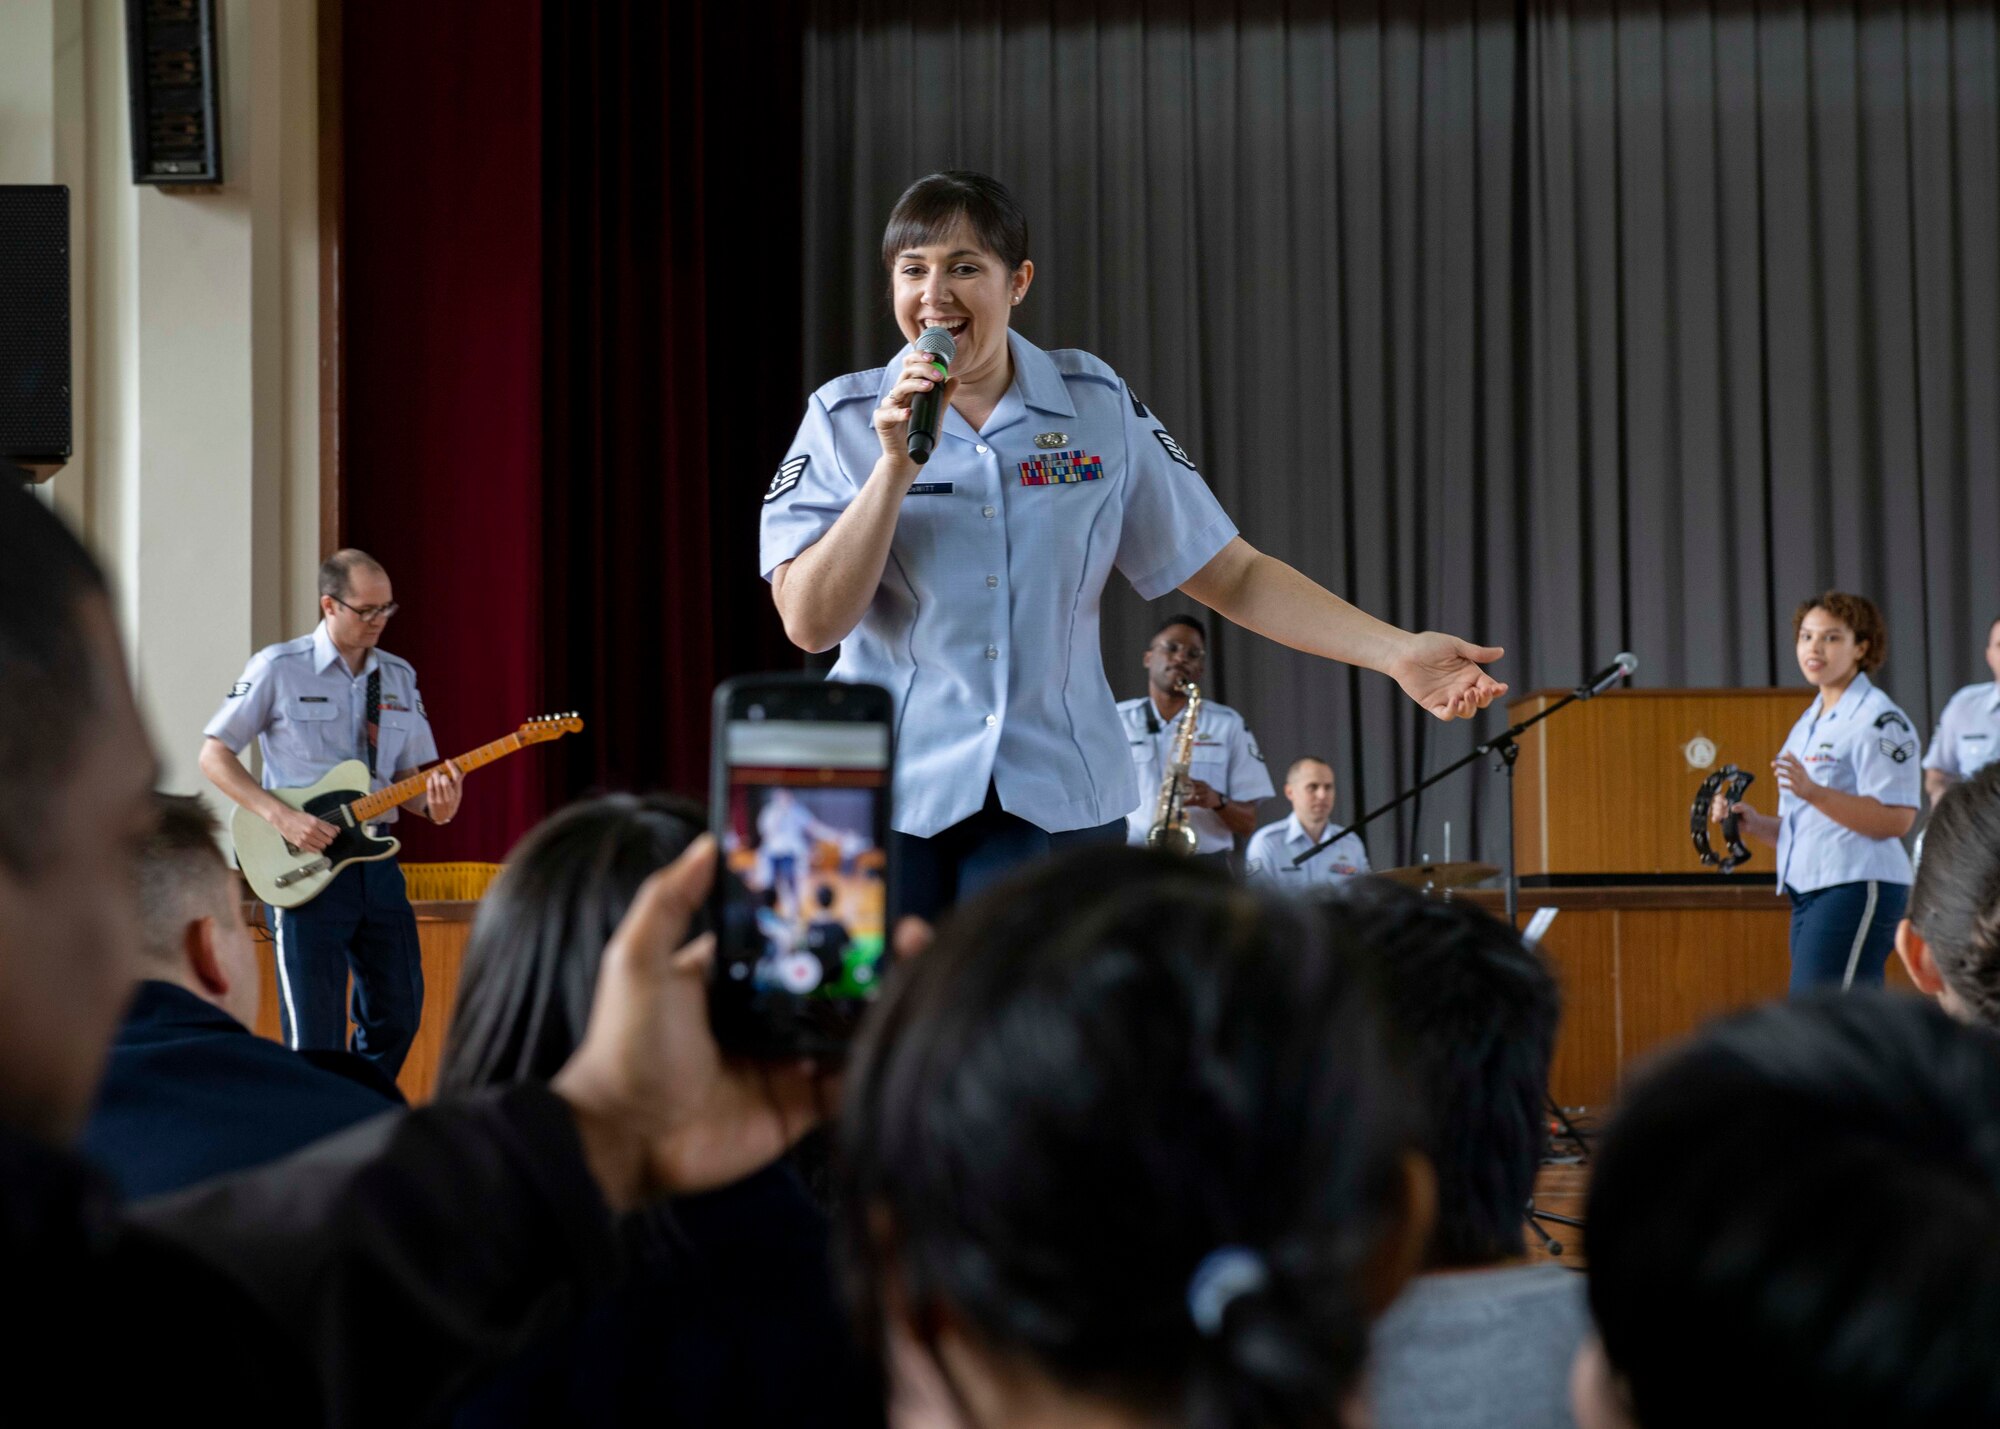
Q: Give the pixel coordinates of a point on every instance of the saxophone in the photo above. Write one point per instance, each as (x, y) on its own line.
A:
(1171, 830)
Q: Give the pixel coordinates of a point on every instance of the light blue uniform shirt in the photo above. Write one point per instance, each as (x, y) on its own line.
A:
(984, 629)
(1968, 732)
(1863, 745)
(1225, 757)
(1268, 860)
(308, 713)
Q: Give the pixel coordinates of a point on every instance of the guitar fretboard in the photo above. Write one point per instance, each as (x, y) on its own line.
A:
(381, 802)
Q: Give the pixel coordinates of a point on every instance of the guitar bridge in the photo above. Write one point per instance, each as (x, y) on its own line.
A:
(303, 872)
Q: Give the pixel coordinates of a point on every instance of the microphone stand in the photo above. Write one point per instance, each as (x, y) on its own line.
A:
(1505, 749)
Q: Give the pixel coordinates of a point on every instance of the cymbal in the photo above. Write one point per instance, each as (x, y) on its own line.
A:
(1438, 875)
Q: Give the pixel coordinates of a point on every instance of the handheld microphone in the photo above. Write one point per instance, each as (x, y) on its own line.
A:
(1610, 675)
(928, 408)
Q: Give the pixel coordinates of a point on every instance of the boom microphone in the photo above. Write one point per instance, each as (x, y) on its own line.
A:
(1610, 675)
(929, 406)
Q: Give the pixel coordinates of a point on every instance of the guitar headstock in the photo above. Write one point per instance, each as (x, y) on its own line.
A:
(549, 726)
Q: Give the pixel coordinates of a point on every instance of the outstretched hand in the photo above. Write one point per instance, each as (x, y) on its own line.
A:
(660, 1108)
(1442, 673)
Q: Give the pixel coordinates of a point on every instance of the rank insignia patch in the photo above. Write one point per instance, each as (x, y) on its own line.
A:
(238, 690)
(787, 477)
(1061, 469)
(1174, 449)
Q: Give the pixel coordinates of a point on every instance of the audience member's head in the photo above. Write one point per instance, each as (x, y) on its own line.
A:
(1309, 790)
(191, 928)
(1473, 1011)
(1950, 942)
(1127, 1135)
(76, 778)
(530, 967)
(1796, 1220)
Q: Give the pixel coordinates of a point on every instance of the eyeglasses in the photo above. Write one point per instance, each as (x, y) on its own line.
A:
(369, 613)
(1174, 650)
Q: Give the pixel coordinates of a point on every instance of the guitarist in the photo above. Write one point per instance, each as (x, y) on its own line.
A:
(310, 704)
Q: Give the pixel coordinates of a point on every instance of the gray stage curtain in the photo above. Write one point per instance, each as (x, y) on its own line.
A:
(1574, 328)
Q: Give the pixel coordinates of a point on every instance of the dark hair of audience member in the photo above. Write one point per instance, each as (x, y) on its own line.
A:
(1103, 1071)
(48, 677)
(931, 208)
(530, 966)
(1473, 1012)
(1955, 900)
(1796, 1220)
(182, 875)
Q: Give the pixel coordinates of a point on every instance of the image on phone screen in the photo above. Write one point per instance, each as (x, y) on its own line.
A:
(805, 906)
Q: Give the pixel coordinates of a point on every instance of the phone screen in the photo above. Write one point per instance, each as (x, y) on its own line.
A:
(803, 825)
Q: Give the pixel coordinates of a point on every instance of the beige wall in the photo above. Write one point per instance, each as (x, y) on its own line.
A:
(195, 320)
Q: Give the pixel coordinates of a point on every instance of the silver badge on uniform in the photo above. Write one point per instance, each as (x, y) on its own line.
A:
(1049, 441)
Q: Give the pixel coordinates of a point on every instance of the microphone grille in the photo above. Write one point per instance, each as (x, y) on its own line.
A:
(1628, 662)
(937, 341)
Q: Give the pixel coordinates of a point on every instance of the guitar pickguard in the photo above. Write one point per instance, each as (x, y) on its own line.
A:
(349, 844)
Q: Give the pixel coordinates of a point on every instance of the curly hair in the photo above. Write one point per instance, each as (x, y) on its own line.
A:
(1857, 613)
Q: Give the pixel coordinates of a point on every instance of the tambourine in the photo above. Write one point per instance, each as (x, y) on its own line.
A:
(1737, 780)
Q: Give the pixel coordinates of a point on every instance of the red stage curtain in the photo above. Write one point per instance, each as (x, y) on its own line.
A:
(441, 457)
(573, 292)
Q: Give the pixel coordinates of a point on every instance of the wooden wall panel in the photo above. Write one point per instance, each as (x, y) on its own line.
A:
(1604, 786)
(442, 930)
(1640, 968)
(1582, 946)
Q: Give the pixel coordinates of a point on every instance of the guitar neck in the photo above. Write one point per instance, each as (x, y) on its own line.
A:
(382, 801)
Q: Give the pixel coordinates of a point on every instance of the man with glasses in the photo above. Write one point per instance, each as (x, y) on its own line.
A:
(1226, 773)
(310, 704)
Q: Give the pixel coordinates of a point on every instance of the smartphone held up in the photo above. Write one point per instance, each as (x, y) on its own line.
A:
(800, 806)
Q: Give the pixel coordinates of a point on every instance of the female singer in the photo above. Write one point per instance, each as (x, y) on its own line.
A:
(969, 585)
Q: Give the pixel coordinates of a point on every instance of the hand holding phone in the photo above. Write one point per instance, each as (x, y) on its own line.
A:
(800, 806)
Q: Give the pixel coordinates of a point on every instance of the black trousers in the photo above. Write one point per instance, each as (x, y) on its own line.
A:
(934, 873)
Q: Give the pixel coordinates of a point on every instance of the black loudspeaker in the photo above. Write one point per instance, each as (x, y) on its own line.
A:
(34, 327)
(170, 71)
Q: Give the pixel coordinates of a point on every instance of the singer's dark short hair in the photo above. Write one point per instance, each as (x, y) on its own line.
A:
(932, 206)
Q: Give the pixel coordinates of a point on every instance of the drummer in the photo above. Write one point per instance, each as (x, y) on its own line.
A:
(1268, 860)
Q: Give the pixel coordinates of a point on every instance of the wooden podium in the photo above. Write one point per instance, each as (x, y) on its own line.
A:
(1603, 789)
(1649, 944)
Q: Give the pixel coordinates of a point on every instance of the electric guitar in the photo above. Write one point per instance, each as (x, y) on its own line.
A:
(286, 876)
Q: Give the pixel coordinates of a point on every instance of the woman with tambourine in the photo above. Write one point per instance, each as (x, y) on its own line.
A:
(1849, 785)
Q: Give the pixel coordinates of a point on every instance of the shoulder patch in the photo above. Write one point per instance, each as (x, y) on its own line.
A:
(1138, 407)
(1891, 717)
(238, 690)
(1174, 448)
(1902, 753)
(788, 476)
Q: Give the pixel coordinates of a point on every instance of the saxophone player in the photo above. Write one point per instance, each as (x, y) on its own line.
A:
(1227, 773)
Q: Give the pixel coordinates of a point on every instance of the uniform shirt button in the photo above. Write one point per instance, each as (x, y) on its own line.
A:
(980, 450)
(993, 652)
(992, 720)
(992, 582)
(987, 512)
